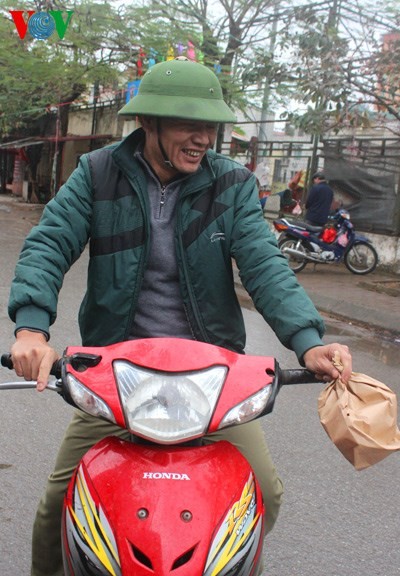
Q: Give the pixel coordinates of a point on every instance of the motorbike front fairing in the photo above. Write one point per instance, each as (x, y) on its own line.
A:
(135, 509)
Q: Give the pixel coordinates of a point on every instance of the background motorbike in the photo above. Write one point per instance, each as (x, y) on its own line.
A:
(164, 503)
(335, 242)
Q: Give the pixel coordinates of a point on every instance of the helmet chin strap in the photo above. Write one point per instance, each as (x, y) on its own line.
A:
(167, 161)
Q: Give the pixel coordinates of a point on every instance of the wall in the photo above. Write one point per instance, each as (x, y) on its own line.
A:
(108, 121)
(388, 248)
(80, 123)
(73, 149)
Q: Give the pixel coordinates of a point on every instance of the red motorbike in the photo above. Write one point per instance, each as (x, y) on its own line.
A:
(163, 503)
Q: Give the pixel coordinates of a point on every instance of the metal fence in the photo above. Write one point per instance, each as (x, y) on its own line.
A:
(363, 171)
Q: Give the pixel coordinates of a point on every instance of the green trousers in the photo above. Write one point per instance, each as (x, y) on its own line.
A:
(82, 433)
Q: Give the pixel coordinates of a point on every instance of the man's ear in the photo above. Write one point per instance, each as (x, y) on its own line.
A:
(148, 123)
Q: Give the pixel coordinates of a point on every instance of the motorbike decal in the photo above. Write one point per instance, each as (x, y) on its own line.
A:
(89, 532)
(165, 476)
(239, 534)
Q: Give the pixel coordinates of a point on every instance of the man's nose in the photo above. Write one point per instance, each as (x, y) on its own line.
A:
(202, 133)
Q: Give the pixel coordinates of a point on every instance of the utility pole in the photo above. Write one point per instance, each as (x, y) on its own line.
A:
(54, 175)
(262, 131)
(96, 94)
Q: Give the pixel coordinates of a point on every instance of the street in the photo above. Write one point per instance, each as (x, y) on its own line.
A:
(334, 521)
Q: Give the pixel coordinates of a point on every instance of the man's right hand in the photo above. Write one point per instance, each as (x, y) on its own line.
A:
(32, 357)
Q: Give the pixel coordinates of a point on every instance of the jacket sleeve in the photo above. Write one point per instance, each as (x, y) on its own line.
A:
(266, 275)
(48, 252)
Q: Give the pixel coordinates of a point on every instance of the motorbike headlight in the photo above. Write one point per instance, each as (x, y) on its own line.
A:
(247, 410)
(168, 408)
(87, 400)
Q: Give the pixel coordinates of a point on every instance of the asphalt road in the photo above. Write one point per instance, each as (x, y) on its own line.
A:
(334, 521)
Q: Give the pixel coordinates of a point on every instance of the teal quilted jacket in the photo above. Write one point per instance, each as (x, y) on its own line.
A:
(104, 203)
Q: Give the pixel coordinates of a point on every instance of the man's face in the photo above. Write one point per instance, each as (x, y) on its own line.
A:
(185, 143)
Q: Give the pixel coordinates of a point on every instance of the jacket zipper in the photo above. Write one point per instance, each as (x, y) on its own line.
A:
(162, 200)
(192, 298)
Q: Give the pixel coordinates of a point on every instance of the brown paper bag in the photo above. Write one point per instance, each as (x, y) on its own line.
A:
(360, 418)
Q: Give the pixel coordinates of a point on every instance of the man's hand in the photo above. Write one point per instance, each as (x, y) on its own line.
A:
(319, 361)
(33, 357)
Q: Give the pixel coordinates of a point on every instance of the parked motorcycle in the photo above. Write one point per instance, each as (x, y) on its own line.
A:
(335, 242)
(164, 503)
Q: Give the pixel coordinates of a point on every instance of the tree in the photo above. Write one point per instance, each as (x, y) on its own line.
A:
(41, 78)
(344, 74)
(327, 56)
(224, 33)
(38, 76)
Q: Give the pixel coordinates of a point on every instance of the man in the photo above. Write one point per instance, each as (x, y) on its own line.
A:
(319, 201)
(164, 216)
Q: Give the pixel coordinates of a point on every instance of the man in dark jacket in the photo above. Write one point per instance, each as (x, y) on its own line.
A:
(164, 216)
(319, 201)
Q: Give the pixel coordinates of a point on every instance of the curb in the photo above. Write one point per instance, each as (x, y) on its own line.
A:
(356, 314)
(341, 310)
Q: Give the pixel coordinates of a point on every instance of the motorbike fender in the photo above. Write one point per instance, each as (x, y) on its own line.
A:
(357, 238)
(140, 509)
(360, 238)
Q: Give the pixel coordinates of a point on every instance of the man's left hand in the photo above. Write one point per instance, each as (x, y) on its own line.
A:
(319, 361)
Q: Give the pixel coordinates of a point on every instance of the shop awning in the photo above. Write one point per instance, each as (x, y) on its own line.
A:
(241, 137)
(34, 141)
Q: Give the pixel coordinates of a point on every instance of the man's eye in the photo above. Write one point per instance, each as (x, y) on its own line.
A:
(194, 126)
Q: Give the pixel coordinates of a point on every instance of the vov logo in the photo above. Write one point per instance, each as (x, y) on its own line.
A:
(41, 25)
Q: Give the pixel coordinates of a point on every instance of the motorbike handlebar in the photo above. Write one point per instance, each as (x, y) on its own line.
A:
(287, 377)
(290, 377)
(7, 362)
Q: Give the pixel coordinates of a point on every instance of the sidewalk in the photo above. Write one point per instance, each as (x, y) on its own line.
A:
(14, 208)
(372, 301)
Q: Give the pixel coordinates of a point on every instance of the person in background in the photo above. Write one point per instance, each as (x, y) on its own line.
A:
(164, 215)
(291, 197)
(263, 194)
(319, 201)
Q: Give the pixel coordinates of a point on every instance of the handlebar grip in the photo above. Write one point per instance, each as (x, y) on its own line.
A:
(298, 376)
(7, 362)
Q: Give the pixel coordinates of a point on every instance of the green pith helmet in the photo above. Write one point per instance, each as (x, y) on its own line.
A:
(180, 89)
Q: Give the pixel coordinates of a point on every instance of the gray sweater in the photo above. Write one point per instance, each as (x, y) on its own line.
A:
(160, 310)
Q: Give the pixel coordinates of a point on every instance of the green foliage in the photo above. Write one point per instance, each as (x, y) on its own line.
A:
(38, 74)
(341, 63)
(322, 61)
(223, 34)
